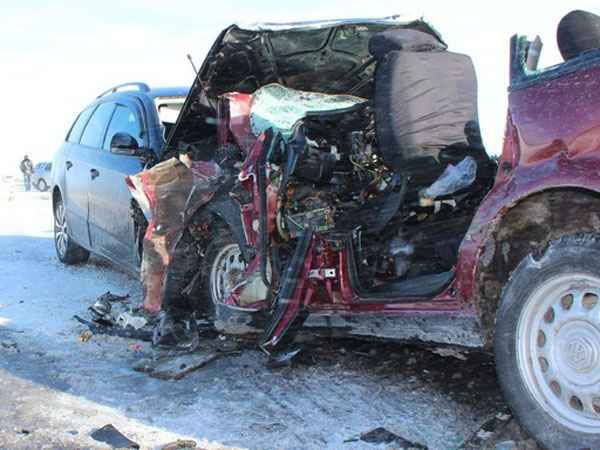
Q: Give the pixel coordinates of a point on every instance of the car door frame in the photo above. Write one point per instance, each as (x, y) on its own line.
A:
(110, 222)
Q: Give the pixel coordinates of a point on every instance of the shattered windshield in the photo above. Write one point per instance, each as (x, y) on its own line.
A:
(275, 106)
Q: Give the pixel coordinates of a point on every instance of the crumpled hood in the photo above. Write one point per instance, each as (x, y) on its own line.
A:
(328, 56)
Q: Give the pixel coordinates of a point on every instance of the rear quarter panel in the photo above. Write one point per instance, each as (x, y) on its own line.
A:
(552, 140)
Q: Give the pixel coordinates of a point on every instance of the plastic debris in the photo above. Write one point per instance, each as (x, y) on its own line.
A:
(101, 312)
(85, 336)
(97, 328)
(113, 437)
(453, 179)
(125, 320)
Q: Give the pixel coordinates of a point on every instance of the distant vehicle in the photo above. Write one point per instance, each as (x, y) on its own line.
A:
(42, 175)
(332, 175)
(116, 135)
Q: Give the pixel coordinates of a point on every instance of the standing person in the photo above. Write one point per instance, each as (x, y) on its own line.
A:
(27, 169)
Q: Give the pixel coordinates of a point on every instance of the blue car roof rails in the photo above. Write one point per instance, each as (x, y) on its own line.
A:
(143, 87)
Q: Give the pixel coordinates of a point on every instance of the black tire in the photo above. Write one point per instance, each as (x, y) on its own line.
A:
(67, 250)
(42, 185)
(188, 282)
(547, 344)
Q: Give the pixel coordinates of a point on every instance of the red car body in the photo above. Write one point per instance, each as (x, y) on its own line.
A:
(550, 159)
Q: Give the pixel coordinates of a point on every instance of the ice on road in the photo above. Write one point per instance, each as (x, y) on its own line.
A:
(55, 389)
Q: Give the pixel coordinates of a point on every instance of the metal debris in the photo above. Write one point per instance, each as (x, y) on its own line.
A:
(113, 437)
(487, 431)
(180, 444)
(383, 436)
(175, 368)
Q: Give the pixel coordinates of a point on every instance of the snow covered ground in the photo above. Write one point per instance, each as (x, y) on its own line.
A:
(56, 388)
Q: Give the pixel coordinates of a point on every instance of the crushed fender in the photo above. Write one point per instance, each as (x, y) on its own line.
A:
(168, 194)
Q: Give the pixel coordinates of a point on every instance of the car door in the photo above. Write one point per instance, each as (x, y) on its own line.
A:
(111, 225)
(84, 140)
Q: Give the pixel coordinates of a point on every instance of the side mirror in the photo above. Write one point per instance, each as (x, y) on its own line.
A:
(125, 144)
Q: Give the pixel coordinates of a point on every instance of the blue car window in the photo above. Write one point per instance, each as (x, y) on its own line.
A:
(79, 124)
(123, 120)
(94, 130)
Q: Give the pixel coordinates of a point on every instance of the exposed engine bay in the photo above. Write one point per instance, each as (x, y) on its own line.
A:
(339, 192)
(330, 179)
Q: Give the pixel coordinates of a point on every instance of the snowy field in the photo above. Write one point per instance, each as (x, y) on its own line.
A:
(57, 386)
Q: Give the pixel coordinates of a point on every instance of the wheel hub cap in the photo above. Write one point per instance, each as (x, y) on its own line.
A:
(579, 349)
(558, 349)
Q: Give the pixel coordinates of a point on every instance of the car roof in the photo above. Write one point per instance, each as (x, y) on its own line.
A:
(139, 89)
(172, 91)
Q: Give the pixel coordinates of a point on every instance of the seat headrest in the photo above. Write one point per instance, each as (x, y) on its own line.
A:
(400, 39)
(577, 32)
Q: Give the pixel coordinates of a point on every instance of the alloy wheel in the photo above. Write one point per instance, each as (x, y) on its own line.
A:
(61, 236)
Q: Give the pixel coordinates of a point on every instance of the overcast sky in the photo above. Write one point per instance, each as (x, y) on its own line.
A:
(58, 55)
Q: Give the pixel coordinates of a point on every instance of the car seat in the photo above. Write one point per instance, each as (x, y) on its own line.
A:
(425, 107)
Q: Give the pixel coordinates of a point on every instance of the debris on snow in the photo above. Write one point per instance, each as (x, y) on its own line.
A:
(284, 358)
(177, 331)
(175, 368)
(113, 437)
(109, 297)
(125, 320)
(449, 351)
(114, 315)
(95, 328)
(383, 436)
(180, 444)
(487, 431)
(85, 336)
(9, 344)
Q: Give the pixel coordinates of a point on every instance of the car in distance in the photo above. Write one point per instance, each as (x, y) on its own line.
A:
(42, 175)
(116, 135)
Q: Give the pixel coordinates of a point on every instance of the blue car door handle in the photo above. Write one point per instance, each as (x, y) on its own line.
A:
(69, 164)
(94, 173)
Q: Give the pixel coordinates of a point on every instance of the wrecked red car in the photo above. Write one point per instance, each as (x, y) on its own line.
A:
(332, 175)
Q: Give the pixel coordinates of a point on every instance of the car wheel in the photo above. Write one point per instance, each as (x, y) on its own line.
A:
(42, 185)
(68, 252)
(547, 343)
(210, 276)
(224, 266)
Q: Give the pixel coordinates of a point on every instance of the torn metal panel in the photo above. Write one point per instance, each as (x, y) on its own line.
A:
(175, 368)
(168, 193)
